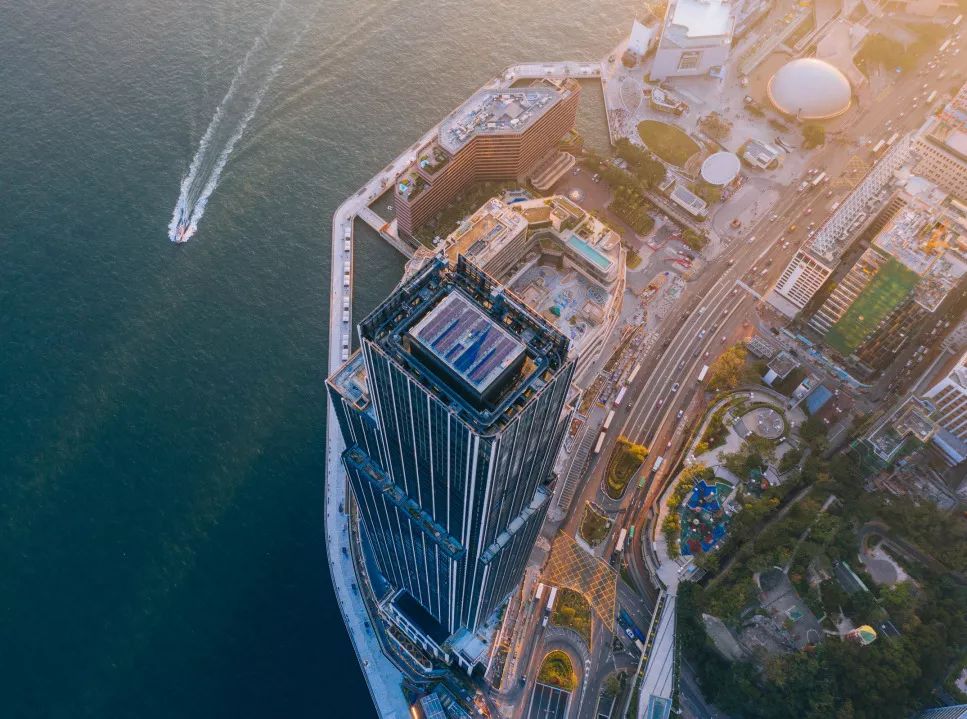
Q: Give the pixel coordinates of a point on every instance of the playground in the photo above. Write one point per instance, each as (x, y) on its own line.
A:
(704, 520)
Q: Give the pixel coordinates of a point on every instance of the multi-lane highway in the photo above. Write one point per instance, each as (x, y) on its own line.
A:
(665, 398)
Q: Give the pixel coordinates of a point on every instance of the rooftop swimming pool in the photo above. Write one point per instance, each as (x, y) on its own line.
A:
(588, 252)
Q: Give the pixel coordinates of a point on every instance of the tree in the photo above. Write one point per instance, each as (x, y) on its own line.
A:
(813, 433)
(790, 459)
(715, 126)
(726, 371)
(694, 240)
(813, 135)
(642, 163)
(612, 685)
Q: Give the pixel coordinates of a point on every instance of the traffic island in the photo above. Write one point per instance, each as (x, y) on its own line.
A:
(572, 610)
(594, 527)
(625, 461)
(557, 671)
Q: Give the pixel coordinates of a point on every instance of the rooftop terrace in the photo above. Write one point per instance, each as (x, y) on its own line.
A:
(468, 343)
(696, 19)
(473, 346)
(485, 233)
(920, 244)
(496, 111)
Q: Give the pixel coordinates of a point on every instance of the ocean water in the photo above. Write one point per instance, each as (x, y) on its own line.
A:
(162, 406)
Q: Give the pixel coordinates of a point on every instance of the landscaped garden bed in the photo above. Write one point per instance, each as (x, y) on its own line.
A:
(626, 459)
(557, 671)
(572, 610)
(594, 526)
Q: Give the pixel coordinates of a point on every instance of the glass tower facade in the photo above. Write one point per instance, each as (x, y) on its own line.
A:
(452, 414)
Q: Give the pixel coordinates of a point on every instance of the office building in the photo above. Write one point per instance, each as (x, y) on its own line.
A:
(941, 148)
(452, 413)
(696, 39)
(948, 398)
(494, 135)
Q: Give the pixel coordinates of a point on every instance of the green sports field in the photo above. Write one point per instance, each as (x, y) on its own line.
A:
(890, 285)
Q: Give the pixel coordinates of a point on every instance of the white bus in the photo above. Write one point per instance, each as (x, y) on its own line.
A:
(550, 599)
(893, 138)
(957, 20)
(818, 178)
(597, 447)
(701, 375)
(931, 97)
(620, 544)
(621, 396)
(540, 592)
(634, 373)
(657, 465)
(944, 46)
(607, 421)
(879, 146)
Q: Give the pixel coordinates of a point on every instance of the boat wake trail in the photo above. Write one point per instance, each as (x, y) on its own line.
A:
(251, 81)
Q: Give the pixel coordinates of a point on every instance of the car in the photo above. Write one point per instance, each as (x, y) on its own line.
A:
(669, 445)
(707, 355)
(773, 218)
(730, 263)
(723, 339)
(701, 310)
(735, 291)
(753, 268)
(681, 364)
(809, 210)
(681, 413)
(701, 334)
(676, 386)
(792, 228)
(660, 402)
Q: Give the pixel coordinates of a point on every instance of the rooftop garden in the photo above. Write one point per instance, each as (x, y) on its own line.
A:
(670, 143)
(434, 159)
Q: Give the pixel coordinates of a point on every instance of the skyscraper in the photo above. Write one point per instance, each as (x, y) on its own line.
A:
(452, 414)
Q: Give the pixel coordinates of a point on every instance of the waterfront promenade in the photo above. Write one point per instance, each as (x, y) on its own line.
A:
(382, 677)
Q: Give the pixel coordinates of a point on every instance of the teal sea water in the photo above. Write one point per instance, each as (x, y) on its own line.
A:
(162, 406)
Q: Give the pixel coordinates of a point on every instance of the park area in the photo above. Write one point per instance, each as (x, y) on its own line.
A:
(891, 284)
(670, 143)
(703, 518)
(625, 461)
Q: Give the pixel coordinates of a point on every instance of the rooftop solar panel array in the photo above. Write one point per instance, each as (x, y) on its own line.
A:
(466, 341)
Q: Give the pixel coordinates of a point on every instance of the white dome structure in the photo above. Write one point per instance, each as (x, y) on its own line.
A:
(721, 168)
(810, 89)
